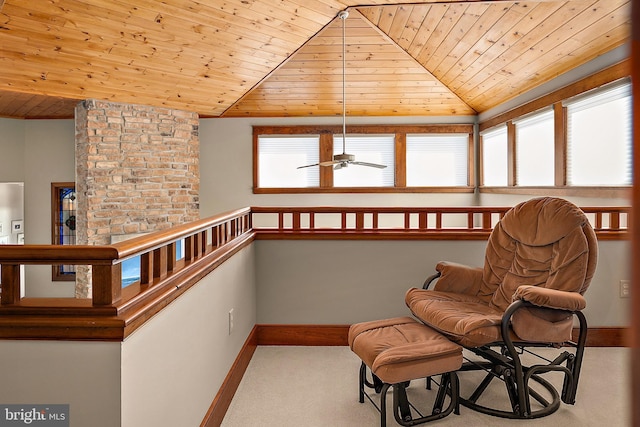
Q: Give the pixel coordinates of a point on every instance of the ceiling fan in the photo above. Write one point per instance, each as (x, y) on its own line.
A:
(343, 160)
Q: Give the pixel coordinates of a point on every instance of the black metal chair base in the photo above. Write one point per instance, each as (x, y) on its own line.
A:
(500, 366)
(548, 406)
(402, 412)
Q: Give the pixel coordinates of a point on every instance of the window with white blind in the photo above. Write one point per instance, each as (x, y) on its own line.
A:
(439, 157)
(279, 157)
(535, 150)
(599, 138)
(437, 160)
(378, 149)
(495, 166)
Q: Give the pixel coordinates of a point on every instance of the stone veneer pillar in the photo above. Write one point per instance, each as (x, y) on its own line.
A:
(137, 171)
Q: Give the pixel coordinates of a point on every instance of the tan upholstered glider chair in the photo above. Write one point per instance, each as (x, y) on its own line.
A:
(539, 261)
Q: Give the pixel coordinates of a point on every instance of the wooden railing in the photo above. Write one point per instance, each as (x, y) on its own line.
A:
(426, 223)
(163, 277)
(113, 311)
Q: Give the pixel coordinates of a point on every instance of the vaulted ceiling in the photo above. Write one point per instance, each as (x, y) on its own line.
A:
(283, 58)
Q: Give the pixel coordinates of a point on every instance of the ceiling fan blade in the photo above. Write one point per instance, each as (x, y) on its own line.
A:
(341, 165)
(373, 165)
(308, 166)
(329, 163)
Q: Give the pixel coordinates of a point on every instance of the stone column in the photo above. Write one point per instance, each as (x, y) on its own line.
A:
(137, 171)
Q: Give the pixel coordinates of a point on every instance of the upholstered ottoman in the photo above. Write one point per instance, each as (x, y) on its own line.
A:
(399, 350)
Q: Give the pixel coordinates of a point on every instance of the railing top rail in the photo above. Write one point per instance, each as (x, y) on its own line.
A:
(108, 254)
(45, 254)
(379, 209)
(271, 209)
(160, 238)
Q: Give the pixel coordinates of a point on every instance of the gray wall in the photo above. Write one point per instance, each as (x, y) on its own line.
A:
(173, 366)
(84, 375)
(37, 153)
(344, 282)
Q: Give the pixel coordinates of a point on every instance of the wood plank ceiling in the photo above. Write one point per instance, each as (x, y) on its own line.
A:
(277, 58)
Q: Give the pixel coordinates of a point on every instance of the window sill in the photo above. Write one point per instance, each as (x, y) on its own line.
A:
(321, 190)
(603, 192)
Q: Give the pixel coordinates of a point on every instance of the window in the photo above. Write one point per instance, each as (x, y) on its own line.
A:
(281, 155)
(377, 149)
(495, 165)
(599, 138)
(418, 158)
(574, 141)
(535, 150)
(63, 225)
(437, 160)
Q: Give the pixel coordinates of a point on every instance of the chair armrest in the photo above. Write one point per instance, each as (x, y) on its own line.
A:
(550, 298)
(458, 278)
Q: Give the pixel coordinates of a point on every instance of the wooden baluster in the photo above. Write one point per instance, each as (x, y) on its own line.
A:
(160, 262)
(422, 220)
(407, 220)
(215, 237)
(107, 284)
(614, 221)
(146, 269)
(234, 228)
(188, 249)
(312, 220)
(598, 225)
(296, 220)
(470, 220)
(171, 256)
(486, 220)
(10, 284)
(438, 220)
(359, 220)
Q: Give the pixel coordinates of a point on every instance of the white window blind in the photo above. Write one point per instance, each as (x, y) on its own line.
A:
(279, 157)
(435, 160)
(535, 152)
(599, 138)
(379, 149)
(495, 166)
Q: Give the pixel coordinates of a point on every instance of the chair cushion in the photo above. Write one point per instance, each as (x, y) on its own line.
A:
(402, 349)
(542, 242)
(464, 319)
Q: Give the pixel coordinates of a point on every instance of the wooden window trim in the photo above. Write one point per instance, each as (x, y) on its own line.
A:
(326, 153)
(609, 75)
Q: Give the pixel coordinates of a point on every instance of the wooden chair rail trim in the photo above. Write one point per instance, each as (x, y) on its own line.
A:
(115, 312)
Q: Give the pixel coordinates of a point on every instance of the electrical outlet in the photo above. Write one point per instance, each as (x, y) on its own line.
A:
(230, 321)
(625, 288)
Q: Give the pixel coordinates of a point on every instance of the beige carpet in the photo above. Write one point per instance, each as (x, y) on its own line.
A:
(318, 386)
